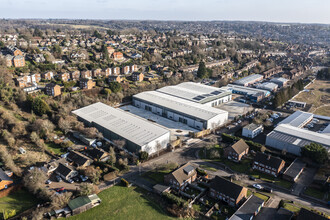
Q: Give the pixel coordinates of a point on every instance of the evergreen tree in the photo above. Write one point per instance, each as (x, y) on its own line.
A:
(316, 152)
(202, 70)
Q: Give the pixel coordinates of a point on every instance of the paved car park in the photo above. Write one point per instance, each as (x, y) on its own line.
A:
(235, 108)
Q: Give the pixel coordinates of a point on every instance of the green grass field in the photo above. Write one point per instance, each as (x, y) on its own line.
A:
(20, 201)
(55, 148)
(208, 168)
(124, 203)
(314, 193)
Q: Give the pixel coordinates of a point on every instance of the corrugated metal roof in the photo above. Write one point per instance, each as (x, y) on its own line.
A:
(248, 90)
(124, 124)
(195, 110)
(298, 119)
(195, 92)
(249, 79)
(291, 134)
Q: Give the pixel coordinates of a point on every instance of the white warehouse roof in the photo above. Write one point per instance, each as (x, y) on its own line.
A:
(195, 92)
(249, 79)
(195, 110)
(124, 124)
(298, 119)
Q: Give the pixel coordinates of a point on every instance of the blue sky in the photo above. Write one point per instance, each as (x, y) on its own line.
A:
(305, 11)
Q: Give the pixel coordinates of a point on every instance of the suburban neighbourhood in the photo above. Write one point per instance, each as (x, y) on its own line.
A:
(164, 120)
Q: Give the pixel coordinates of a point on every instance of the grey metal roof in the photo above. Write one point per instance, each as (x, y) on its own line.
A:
(194, 110)
(251, 126)
(249, 79)
(280, 80)
(268, 86)
(124, 124)
(195, 92)
(298, 119)
(298, 136)
(248, 90)
(247, 210)
(326, 130)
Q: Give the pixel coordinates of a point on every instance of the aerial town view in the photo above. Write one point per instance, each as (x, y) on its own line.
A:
(152, 110)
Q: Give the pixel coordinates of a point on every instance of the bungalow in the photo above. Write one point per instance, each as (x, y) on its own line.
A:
(79, 159)
(65, 171)
(236, 151)
(227, 191)
(268, 164)
(98, 154)
(181, 177)
(5, 180)
(249, 209)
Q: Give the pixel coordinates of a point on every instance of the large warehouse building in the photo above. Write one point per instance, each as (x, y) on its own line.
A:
(249, 80)
(193, 114)
(196, 92)
(115, 124)
(253, 94)
(290, 136)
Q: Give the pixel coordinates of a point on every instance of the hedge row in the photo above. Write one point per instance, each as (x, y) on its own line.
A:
(174, 199)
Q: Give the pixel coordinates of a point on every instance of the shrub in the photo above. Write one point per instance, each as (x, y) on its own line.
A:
(229, 138)
(124, 182)
(143, 156)
(201, 172)
(174, 199)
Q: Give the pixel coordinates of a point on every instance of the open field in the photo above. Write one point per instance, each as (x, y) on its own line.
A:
(124, 203)
(19, 201)
(318, 96)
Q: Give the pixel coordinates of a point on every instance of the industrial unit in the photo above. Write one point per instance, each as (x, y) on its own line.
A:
(196, 92)
(290, 136)
(249, 80)
(268, 86)
(253, 94)
(193, 114)
(115, 124)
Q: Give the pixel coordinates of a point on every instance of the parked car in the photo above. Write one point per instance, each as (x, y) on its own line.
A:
(83, 178)
(59, 179)
(252, 178)
(239, 121)
(257, 186)
(70, 181)
(48, 182)
(267, 189)
(60, 189)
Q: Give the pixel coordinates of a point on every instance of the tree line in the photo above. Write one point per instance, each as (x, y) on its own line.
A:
(287, 93)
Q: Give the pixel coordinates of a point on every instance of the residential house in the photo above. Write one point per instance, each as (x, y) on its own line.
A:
(181, 177)
(5, 180)
(268, 164)
(39, 58)
(227, 191)
(126, 70)
(133, 68)
(47, 75)
(9, 60)
(79, 159)
(136, 76)
(19, 61)
(64, 77)
(117, 56)
(66, 172)
(86, 74)
(293, 172)
(111, 50)
(75, 75)
(83, 203)
(98, 154)
(35, 78)
(116, 71)
(86, 84)
(236, 151)
(52, 89)
(252, 130)
(249, 209)
(115, 78)
(108, 72)
(97, 73)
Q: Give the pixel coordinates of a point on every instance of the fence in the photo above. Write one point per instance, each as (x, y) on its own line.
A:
(199, 133)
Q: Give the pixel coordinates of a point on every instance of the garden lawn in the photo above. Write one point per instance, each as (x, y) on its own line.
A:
(120, 202)
(208, 168)
(261, 196)
(314, 193)
(291, 207)
(55, 148)
(20, 201)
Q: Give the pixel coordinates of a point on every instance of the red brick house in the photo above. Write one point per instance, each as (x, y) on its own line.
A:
(227, 191)
(114, 78)
(64, 77)
(181, 177)
(86, 74)
(268, 164)
(117, 56)
(47, 75)
(236, 151)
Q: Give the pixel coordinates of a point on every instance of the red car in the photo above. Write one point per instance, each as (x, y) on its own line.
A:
(60, 189)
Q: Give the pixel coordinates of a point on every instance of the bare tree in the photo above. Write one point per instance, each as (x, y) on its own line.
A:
(158, 147)
(61, 200)
(120, 143)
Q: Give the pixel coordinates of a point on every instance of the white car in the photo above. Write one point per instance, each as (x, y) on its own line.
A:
(257, 186)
